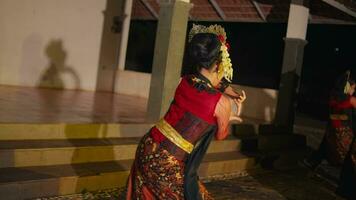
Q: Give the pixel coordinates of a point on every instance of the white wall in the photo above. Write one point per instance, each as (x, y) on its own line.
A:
(133, 83)
(260, 104)
(30, 30)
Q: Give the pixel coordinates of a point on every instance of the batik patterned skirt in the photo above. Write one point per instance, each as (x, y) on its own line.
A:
(156, 174)
(339, 142)
(353, 154)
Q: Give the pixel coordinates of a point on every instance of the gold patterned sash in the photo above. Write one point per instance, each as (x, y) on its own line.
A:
(172, 135)
(339, 117)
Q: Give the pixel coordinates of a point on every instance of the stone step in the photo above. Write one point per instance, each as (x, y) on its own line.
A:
(43, 131)
(24, 153)
(44, 181)
(65, 131)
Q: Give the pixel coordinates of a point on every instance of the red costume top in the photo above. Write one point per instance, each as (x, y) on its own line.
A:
(194, 111)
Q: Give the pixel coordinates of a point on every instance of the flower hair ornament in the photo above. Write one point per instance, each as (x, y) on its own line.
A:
(347, 87)
(225, 67)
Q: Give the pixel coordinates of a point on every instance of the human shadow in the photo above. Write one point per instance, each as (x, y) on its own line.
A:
(52, 77)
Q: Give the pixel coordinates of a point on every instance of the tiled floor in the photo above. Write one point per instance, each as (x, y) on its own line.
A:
(292, 184)
(33, 105)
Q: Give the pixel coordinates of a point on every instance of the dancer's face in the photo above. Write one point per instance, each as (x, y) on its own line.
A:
(214, 72)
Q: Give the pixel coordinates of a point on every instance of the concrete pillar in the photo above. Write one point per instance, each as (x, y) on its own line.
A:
(113, 43)
(168, 55)
(125, 34)
(292, 63)
(110, 43)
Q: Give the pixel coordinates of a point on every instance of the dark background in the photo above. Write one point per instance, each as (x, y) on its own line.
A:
(257, 53)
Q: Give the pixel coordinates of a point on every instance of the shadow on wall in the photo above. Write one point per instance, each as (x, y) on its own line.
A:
(53, 76)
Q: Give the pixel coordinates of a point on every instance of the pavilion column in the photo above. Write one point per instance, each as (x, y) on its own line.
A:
(168, 55)
(116, 27)
(125, 34)
(292, 63)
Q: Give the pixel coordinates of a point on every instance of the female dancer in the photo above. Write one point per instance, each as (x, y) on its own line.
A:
(168, 156)
(338, 146)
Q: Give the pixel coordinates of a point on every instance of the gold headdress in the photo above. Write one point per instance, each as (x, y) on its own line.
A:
(225, 68)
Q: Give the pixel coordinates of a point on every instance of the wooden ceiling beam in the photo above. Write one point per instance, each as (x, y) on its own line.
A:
(218, 9)
(150, 8)
(341, 7)
(259, 10)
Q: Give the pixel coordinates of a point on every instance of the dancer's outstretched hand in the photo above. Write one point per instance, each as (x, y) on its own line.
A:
(235, 119)
(241, 98)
